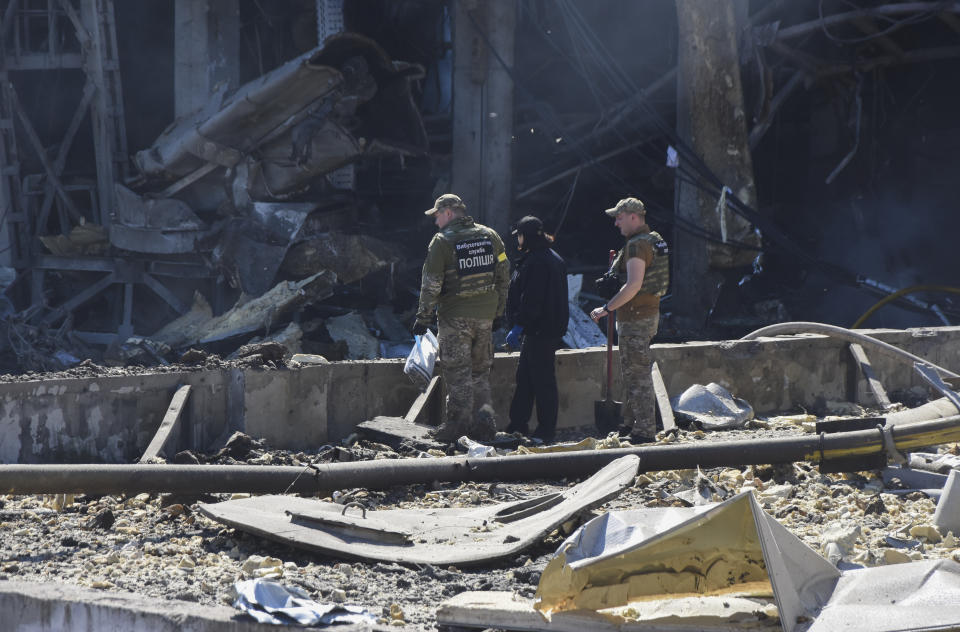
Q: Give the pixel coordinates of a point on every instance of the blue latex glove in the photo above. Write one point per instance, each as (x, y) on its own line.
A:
(513, 337)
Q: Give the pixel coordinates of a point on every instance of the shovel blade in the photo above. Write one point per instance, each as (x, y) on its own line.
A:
(608, 415)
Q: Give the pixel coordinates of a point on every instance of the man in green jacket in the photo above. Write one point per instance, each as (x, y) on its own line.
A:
(465, 279)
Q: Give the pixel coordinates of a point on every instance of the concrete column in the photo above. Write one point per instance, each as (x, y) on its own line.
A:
(7, 247)
(497, 175)
(711, 121)
(330, 22)
(8, 250)
(482, 170)
(103, 108)
(206, 51)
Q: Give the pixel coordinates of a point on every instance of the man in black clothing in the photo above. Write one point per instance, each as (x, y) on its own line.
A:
(537, 307)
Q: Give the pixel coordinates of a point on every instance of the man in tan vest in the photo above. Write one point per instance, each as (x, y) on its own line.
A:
(639, 276)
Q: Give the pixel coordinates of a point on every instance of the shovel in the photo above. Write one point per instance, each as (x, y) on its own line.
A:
(607, 413)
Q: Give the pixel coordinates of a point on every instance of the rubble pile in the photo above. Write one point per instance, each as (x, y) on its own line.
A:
(162, 546)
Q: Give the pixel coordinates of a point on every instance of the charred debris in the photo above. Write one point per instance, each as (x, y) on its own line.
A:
(238, 224)
(218, 174)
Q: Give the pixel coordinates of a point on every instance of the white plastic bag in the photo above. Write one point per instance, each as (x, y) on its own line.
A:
(422, 357)
(474, 449)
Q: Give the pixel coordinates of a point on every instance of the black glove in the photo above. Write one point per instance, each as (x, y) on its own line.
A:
(419, 328)
(608, 285)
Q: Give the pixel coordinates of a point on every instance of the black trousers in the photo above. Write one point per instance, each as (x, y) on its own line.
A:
(536, 382)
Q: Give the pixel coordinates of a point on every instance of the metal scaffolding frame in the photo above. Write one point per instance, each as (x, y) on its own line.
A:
(38, 36)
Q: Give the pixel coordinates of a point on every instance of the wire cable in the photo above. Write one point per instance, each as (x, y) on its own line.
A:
(903, 292)
(692, 169)
(894, 26)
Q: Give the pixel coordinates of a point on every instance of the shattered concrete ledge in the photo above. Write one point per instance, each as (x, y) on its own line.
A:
(782, 373)
(51, 607)
(112, 419)
(772, 374)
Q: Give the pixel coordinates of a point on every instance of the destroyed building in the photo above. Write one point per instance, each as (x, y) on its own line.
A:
(211, 241)
(164, 159)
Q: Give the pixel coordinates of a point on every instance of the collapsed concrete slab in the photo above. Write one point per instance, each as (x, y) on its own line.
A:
(350, 257)
(302, 97)
(436, 536)
(199, 326)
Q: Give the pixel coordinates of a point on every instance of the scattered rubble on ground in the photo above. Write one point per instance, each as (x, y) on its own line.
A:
(162, 546)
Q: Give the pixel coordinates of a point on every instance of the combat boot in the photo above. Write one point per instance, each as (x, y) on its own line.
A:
(643, 433)
(484, 426)
(547, 436)
(446, 433)
(513, 428)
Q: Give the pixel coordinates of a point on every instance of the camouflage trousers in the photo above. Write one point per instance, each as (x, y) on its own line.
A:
(639, 399)
(466, 355)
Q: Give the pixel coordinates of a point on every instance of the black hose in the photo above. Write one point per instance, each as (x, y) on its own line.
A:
(384, 473)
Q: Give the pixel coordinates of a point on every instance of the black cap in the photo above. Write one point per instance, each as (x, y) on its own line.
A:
(528, 226)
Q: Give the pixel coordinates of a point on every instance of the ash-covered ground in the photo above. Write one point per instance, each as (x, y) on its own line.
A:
(161, 546)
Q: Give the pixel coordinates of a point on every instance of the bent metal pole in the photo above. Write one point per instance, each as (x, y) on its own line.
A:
(380, 474)
(848, 335)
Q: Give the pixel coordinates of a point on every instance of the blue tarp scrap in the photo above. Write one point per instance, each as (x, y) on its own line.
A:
(271, 602)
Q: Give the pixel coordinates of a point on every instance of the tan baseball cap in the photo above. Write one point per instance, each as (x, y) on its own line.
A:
(447, 200)
(627, 205)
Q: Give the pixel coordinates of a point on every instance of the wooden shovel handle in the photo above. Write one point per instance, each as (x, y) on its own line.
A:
(611, 317)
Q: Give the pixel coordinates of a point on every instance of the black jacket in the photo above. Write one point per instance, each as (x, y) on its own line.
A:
(537, 300)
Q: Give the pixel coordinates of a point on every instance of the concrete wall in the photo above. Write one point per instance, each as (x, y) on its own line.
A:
(111, 419)
(50, 607)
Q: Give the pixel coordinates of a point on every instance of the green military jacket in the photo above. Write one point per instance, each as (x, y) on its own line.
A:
(466, 273)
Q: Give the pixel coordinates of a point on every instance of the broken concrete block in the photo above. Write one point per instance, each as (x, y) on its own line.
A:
(273, 348)
(260, 567)
(352, 329)
(350, 257)
(773, 493)
(929, 532)
(893, 556)
(187, 562)
(947, 514)
(844, 534)
(832, 552)
(930, 462)
(843, 409)
(137, 350)
(307, 359)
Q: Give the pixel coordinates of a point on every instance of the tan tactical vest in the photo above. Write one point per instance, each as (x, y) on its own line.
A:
(656, 277)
